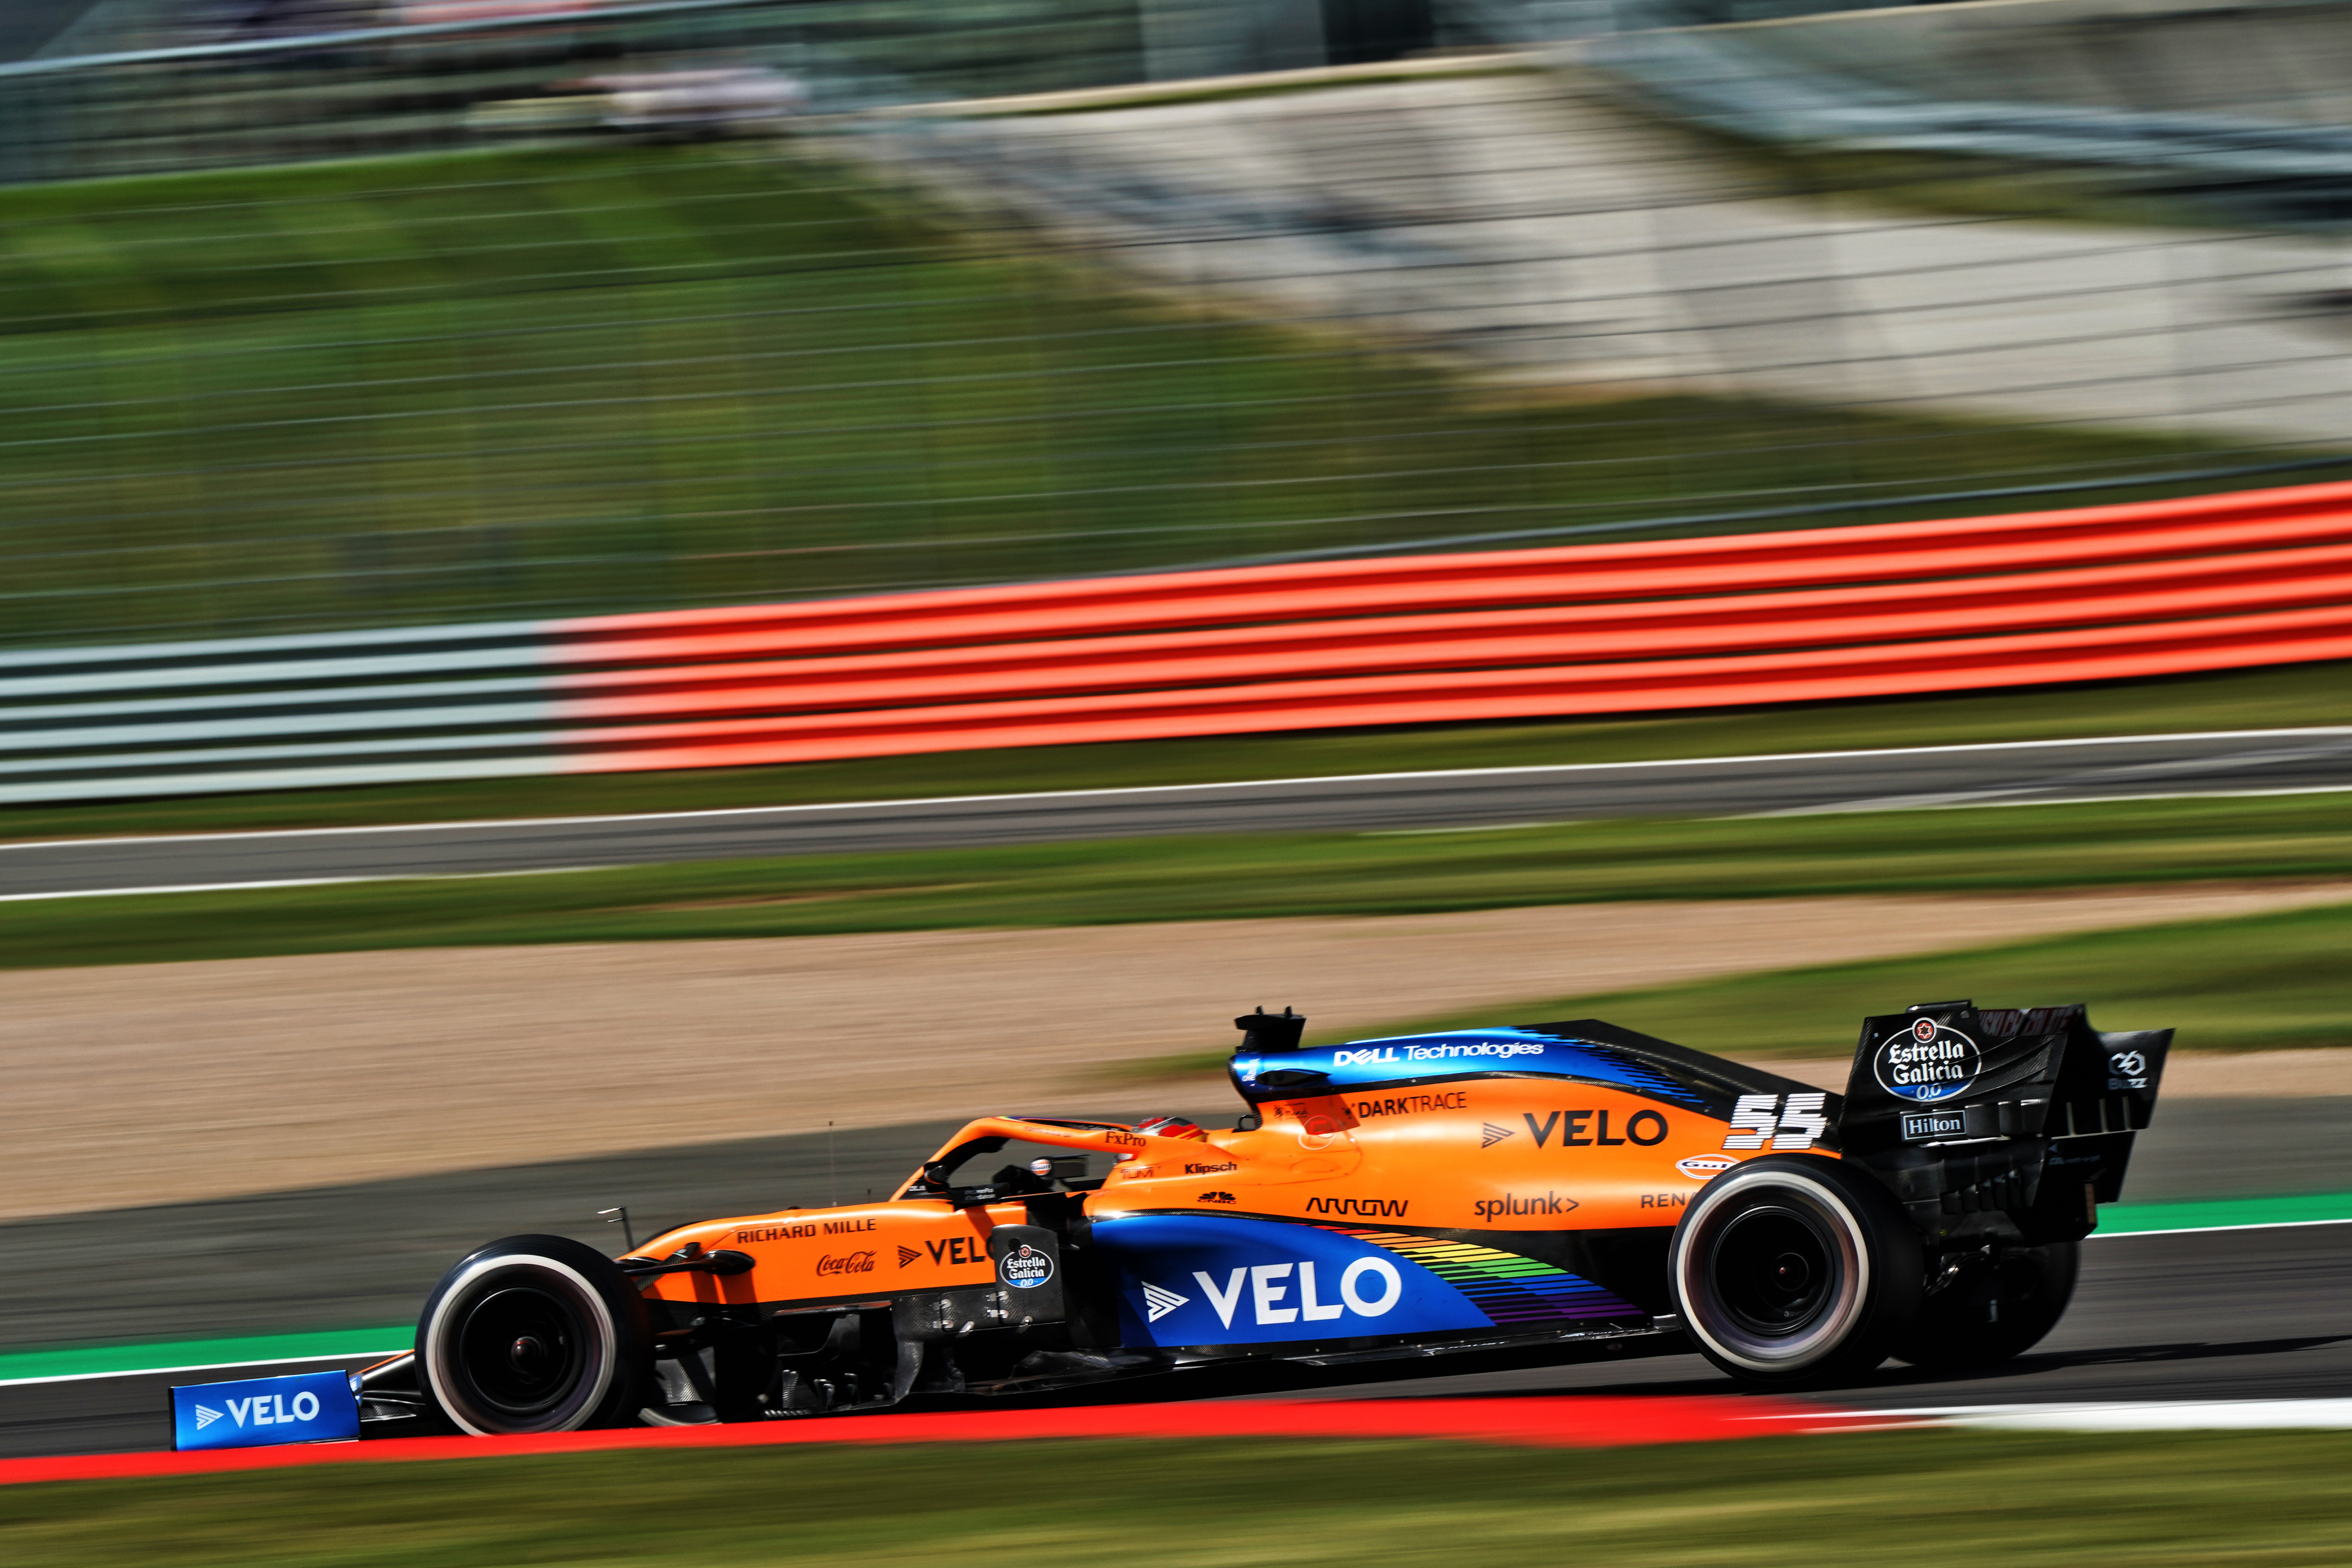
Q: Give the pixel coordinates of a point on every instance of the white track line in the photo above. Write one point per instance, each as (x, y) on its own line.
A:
(2202, 1229)
(301, 882)
(2328, 730)
(2148, 1415)
(198, 1366)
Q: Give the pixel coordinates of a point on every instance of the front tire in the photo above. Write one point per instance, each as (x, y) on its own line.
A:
(1996, 1309)
(535, 1334)
(1793, 1269)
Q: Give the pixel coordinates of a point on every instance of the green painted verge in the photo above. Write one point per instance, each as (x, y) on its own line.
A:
(2223, 1213)
(102, 1360)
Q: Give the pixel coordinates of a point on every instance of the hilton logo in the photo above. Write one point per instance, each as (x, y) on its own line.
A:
(1934, 1125)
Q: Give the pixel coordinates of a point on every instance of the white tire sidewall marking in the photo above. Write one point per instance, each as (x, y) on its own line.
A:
(436, 1370)
(1829, 1200)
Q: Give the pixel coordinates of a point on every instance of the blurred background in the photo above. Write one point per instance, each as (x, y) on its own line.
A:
(482, 412)
(320, 316)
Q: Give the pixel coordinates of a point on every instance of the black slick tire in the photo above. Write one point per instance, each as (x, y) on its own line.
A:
(535, 1334)
(1791, 1270)
(1992, 1309)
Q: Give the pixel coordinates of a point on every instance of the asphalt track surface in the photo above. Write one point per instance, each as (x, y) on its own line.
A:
(2021, 772)
(2211, 1315)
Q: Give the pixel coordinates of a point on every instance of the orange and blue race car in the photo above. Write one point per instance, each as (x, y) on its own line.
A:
(1430, 1203)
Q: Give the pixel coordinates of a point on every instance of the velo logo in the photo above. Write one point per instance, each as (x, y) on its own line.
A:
(1368, 1286)
(308, 1407)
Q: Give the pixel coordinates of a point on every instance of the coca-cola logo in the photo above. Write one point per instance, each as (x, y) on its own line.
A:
(847, 1263)
(1025, 1267)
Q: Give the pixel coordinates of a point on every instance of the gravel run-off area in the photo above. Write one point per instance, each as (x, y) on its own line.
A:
(173, 1082)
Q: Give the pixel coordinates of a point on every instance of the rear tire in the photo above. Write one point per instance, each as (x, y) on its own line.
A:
(1993, 1310)
(535, 1334)
(1793, 1269)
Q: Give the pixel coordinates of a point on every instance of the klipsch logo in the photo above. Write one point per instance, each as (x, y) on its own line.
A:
(1025, 1267)
(1928, 1062)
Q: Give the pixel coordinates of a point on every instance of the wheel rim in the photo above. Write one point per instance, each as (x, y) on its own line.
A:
(1772, 1272)
(523, 1349)
(1775, 1271)
(520, 1343)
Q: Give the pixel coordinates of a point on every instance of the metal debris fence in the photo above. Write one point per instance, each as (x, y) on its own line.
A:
(444, 326)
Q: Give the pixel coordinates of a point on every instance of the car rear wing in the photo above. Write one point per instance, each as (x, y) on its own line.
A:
(2022, 1113)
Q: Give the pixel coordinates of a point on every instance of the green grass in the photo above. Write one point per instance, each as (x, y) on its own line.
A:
(2296, 696)
(532, 382)
(1977, 851)
(2272, 981)
(1927, 1500)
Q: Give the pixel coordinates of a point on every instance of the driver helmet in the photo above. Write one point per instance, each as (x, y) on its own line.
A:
(1171, 1127)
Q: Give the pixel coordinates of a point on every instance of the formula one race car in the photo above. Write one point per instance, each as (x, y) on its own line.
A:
(1540, 1194)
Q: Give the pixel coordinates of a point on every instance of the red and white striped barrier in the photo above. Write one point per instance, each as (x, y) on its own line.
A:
(2099, 594)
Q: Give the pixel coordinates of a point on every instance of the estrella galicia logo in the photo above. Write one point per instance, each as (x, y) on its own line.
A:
(1928, 1062)
(1025, 1267)
(1214, 1197)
